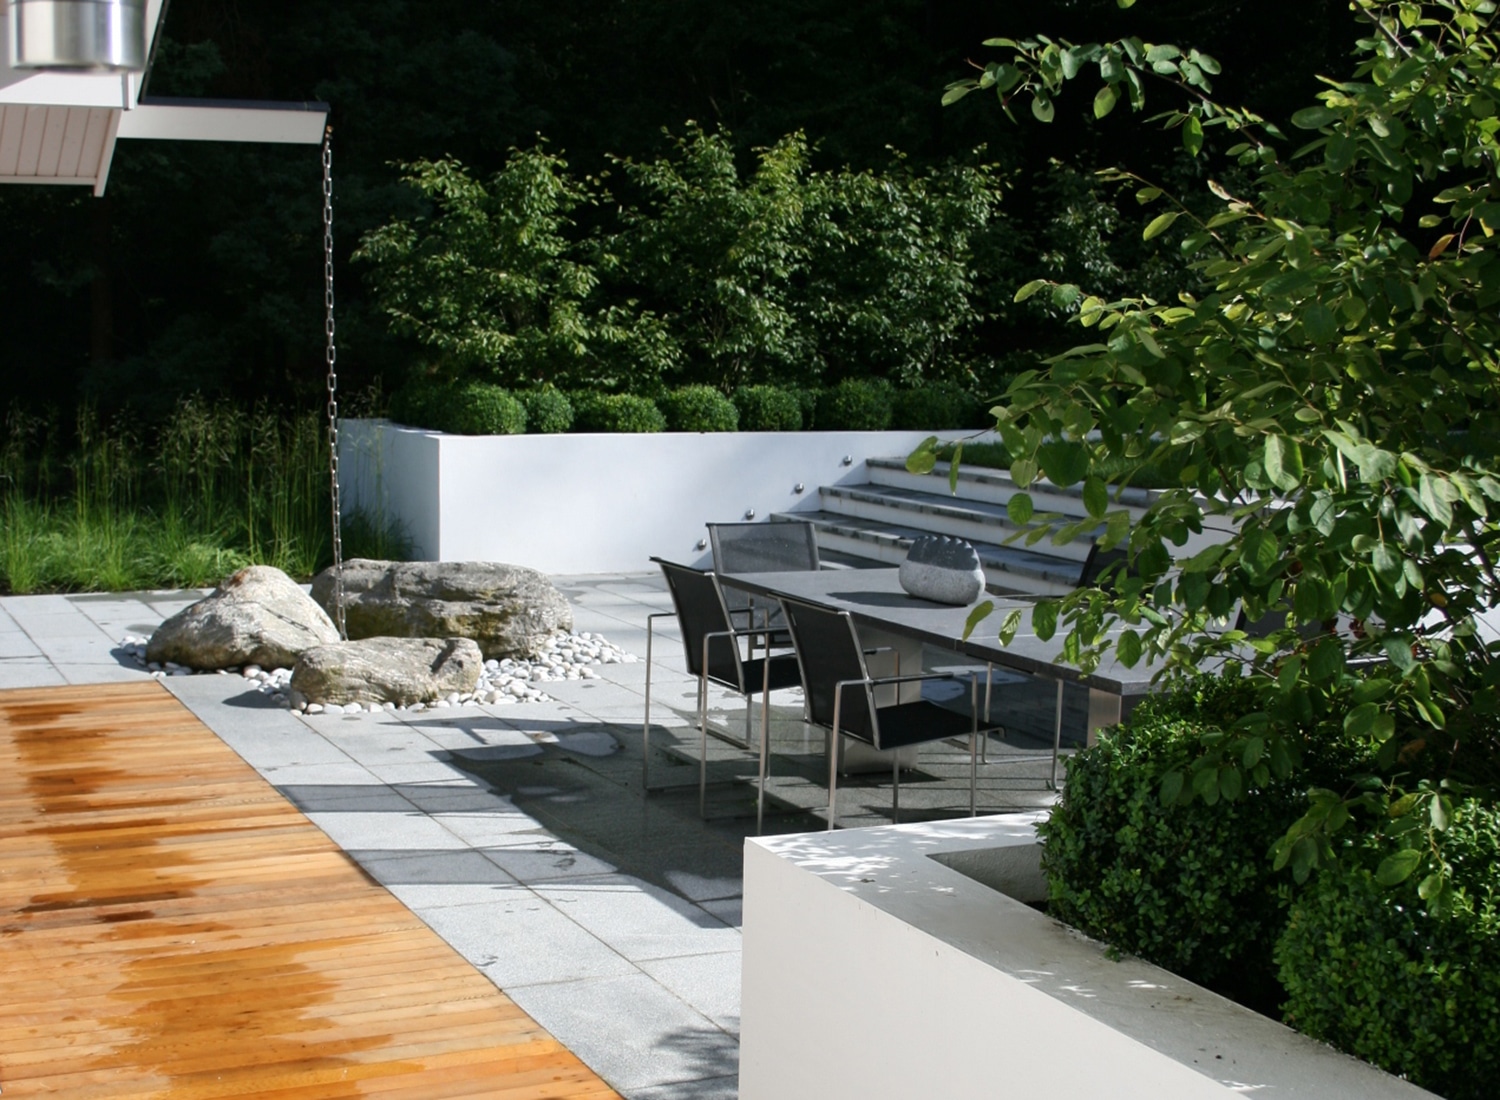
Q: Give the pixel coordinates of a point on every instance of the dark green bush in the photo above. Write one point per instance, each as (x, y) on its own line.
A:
(767, 409)
(1367, 969)
(807, 401)
(419, 403)
(1187, 887)
(936, 406)
(483, 408)
(616, 412)
(462, 408)
(548, 410)
(855, 405)
(699, 409)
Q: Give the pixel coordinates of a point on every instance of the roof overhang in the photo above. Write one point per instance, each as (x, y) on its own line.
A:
(62, 127)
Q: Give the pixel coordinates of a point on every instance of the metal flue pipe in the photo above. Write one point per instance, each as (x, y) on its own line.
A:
(78, 35)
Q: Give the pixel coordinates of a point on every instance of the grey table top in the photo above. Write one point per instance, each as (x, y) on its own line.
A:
(875, 597)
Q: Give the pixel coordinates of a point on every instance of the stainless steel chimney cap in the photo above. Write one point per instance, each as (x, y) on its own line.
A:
(78, 35)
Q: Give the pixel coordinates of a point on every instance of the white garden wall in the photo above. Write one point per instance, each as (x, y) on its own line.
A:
(590, 503)
(874, 969)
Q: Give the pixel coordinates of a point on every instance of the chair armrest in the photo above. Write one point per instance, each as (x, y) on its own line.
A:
(877, 681)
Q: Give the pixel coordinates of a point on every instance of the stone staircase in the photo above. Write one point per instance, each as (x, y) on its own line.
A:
(874, 523)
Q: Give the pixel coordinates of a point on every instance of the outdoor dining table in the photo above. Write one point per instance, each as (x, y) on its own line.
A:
(879, 606)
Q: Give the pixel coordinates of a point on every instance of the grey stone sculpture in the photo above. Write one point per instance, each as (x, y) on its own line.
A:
(387, 670)
(943, 570)
(510, 610)
(257, 616)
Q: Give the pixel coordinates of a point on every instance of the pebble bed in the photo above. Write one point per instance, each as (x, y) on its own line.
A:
(565, 657)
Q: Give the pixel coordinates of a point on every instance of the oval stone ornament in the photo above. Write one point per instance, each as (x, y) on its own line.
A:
(943, 570)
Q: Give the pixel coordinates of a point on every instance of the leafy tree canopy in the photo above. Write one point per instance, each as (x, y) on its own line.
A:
(1328, 387)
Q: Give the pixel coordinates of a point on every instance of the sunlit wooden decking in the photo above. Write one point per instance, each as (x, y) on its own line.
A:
(170, 926)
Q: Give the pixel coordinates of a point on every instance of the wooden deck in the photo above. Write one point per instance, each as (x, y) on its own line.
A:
(170, 926)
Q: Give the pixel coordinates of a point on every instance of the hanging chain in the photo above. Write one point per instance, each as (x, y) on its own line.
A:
(333, 384)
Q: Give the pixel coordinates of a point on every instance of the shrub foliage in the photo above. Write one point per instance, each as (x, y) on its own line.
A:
(1368, 969)
(699, 409)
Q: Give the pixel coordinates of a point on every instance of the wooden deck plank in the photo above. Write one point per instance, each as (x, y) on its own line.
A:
(171, 927)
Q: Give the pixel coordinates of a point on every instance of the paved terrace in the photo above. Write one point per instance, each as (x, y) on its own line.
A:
(518, 832)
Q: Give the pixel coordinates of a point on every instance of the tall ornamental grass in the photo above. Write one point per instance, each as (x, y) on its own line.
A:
(114, 507)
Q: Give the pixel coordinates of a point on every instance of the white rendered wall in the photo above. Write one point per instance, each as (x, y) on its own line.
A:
(873, 971)
(591, 503)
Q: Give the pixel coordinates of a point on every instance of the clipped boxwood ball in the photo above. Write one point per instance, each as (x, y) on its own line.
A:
(855, 405)
(768, 409)
(548, 410)
(699, 409)
(616, 412)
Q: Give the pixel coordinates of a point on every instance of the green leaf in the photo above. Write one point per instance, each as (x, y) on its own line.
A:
(1041, 107)
(1310, 118)
(1361, 720)
(1231, 783)
(1430, 886)
(1171, 787)
(956, 92)
(1104, 101)
(1044, 619)
(1159, 224)
(978, 615)
(1095, 497)
(1030, 288)
(1065, 463)
(1010, 626)
(1128, 648)
(924, 458)
(1397, 867)
(1192, 136)
(1023, 472)
(1020, 509)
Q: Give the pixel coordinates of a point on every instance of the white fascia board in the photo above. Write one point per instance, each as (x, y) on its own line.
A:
(292, 123)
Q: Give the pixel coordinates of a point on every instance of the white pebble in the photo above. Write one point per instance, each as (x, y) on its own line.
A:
(314, 708)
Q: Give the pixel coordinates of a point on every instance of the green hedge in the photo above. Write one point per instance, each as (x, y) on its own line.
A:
(768, 409)
(936, 406)
(616, 412)
(467, 408)
(548, 410)
(855, 405)
(1187, 887)
(1368, 970)
(699, 409)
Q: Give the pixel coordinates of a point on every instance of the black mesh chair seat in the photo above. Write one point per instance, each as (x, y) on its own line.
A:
(784, 672)
(913, 723)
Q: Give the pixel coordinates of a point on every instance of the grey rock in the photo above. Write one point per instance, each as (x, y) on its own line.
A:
(257, 616)
(387, 670)
(943, 570)
(510, 610)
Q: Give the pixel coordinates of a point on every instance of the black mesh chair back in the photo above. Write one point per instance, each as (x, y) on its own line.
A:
(1113, 562)
(701, 611)
(763, 547)
(828, 652)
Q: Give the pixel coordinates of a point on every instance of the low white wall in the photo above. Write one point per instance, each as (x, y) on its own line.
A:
(590, 503)
(873, 970)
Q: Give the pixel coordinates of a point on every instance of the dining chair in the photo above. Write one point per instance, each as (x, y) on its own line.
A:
(840, 697)
(711, 645)
(778, 547)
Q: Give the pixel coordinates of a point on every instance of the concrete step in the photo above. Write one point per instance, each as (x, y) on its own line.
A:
(884, 541)
(978, 483)
(955, 516)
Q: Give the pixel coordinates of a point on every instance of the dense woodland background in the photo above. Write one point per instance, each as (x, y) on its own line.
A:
(200, 271)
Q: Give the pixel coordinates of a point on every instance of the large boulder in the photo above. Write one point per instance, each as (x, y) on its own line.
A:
(510, 610)
(388, 670)
(258, 616)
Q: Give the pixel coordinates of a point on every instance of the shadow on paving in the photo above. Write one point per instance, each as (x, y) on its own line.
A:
(582, 782)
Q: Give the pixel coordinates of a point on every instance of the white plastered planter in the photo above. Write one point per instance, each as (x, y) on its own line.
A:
(585, 503)
(877, 965)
